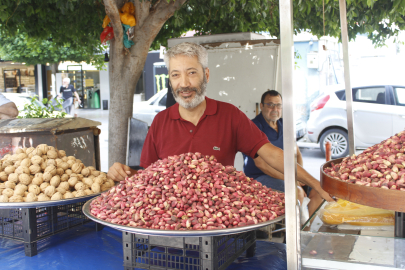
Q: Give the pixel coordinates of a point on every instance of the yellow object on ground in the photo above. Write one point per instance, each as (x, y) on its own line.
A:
(345, 212)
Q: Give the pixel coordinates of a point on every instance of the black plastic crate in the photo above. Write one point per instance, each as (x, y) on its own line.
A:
(29, 225)
(186, 253)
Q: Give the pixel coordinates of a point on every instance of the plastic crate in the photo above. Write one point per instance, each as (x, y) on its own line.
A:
(29, 225)
(186, 253)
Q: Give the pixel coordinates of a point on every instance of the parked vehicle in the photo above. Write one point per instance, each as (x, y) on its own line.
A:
(147, 110)
(378, 113)
(21, 99)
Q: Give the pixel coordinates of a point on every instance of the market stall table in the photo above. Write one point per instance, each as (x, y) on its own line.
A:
(83, 248)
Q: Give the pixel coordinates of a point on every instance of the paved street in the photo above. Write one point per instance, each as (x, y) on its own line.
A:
(313, 157)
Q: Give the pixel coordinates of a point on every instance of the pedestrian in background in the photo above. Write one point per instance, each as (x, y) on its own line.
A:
(66, 92)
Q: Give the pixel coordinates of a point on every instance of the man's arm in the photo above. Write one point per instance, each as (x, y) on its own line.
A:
(77, 96)
(274, 157)
(8, 111)
(270, 171)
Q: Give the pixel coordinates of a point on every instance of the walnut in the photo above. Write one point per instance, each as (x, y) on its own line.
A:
(64, 185)
(111, 182)
(73, 181)
(63, 165)
(9, 169)
(77, 167)
(61, 190)
(80, 186)
(71, 158)
(51, 169)
(44, 158)
(74, 193)
(88, 181)
(52, 154)
(9, 184)
(88, 191)
(34, 189)
(3, 186)
(6, 163)
(38, 180)
(50, 190)
(3, 176)
(64, 178)
(8, 192)
(55, 181)
(95, 187)
(16, 198)
(23, 169)
(64, 159)
(51, 162)
(22, 186)
(47, 176)
(3, 198)
(17, 163)
(21, 156)
(34, 169)
(80, 193)
(68, 195)
(62, 153)
(68, 172)
(57, 196)
(105, 187)
(24, 179)
(36, 160)
(70, 163)
(19, 191)
(42, 197)
(31, 197)
(26, 162)
(95, 173)
(37, 152)
(43, 186)
(19, 151)
(43, 166)
(51, 148)
(13, 177)
(58, 161)
(73, 175)
(98, 180)
(60, 171)
(29, 150)
(43, 147)
(80, 177)
(79, 161)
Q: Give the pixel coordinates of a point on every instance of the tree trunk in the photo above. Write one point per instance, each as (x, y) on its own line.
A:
(126, 66)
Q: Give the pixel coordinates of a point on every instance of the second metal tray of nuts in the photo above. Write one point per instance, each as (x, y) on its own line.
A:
(192, 233)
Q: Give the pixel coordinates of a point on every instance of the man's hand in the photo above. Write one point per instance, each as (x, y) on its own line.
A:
(118, 172)
(325, 195)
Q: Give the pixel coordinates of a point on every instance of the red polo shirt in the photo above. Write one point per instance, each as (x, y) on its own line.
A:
(222, 131)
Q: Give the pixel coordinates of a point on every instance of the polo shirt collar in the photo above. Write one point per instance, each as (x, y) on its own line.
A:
(264, 122)
(211, 109)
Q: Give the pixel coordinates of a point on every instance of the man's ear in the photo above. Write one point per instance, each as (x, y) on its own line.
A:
(207, 74)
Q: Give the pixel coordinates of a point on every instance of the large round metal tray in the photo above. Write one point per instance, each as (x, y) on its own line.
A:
(370, 196)
(86, 211)
(46, 203)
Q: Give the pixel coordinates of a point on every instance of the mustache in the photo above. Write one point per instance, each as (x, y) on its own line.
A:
(186, 89)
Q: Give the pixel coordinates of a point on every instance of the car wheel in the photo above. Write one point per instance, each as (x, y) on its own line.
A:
(339, 140)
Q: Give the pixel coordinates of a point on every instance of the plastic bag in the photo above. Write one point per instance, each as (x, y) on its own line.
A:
(345, 212)
(107, 34)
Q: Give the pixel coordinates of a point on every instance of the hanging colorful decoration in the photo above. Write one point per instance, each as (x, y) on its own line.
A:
(127, 17)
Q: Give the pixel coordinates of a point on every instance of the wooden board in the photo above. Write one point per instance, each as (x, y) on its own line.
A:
(370, 196)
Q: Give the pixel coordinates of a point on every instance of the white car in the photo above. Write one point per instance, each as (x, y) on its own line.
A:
(21, 99)
(378, 113)
(147, 110)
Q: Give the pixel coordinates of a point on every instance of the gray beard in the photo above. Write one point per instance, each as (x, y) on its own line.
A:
(198, 98)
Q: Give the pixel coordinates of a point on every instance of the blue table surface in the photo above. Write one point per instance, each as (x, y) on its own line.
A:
(84, 248)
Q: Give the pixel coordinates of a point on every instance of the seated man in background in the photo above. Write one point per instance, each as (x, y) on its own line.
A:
(8, 110)
(270, 122)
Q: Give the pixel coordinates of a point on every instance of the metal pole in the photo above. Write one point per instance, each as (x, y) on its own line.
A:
(349, 97)
(290, 169)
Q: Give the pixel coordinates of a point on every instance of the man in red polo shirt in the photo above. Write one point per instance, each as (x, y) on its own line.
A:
(200, 124)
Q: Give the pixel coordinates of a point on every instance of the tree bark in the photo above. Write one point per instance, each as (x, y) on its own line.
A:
(126, 66)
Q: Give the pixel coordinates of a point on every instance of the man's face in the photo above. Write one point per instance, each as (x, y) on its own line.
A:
(189, 80)
(271, 114)
(65, 83)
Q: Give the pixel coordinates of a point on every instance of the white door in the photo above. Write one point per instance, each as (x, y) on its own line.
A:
(398, 116)
(372, 117)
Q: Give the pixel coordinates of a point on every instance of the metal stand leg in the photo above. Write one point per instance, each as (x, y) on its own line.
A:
(99, 227)
(29, 221)
(127, 243)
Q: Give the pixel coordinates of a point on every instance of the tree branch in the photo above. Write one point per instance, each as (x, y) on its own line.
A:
(111, 8)
(141, 12)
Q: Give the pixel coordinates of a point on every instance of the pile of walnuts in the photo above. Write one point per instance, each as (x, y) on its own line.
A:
(45, 173)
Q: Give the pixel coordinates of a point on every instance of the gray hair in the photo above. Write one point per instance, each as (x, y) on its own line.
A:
(66, 80)
(188, 49)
